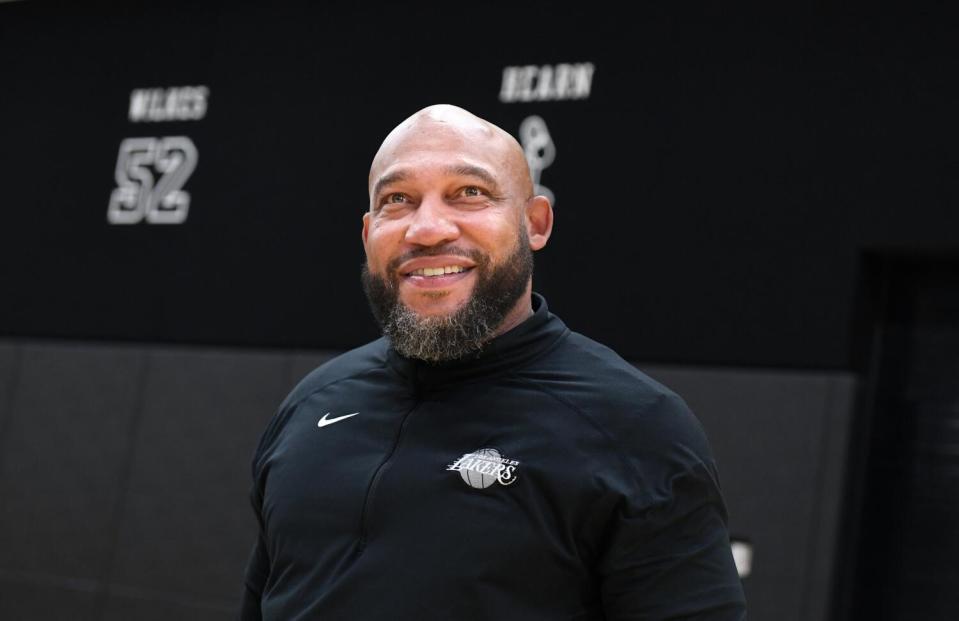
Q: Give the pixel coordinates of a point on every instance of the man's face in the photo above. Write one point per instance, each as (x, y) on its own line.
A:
(445, 236)
(439, 202)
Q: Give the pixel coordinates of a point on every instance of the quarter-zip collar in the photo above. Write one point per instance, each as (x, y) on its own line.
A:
(525, 342)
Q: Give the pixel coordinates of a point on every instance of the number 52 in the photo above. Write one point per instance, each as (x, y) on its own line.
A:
(138, 196)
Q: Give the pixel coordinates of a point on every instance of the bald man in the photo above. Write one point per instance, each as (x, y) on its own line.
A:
(480, 461)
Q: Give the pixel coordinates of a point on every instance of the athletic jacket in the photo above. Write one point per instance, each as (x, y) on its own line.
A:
(544, 479)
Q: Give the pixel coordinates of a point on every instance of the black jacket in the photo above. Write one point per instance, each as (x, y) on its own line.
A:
(545, 479)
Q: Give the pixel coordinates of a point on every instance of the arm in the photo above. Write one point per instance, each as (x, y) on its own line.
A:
(257, 572)
(673, 561)
(667, 552)
(258, 566)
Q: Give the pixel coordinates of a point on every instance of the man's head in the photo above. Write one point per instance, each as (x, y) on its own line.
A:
(452, 192)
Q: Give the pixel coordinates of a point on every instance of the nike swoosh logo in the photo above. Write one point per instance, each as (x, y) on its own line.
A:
(323, 422)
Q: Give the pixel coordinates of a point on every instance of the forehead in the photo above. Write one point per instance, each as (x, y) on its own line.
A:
(438, 149)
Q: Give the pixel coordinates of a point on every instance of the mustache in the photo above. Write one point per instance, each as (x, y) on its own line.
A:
(474, 255)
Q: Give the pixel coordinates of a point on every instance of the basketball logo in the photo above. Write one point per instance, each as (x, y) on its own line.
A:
(482, 468)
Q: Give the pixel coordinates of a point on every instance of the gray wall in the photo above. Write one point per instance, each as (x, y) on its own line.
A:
(124, 473)
(780, 440)
(124, 477)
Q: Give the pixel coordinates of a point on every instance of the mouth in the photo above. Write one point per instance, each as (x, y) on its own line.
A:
(437, 277)
(433, 272)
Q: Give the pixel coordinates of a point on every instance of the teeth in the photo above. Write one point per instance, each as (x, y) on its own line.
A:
(438, 271)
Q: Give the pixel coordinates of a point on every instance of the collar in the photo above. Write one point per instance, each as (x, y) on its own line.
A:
(508, 351)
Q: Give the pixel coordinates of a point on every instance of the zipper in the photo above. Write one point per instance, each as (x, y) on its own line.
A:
(377, 475)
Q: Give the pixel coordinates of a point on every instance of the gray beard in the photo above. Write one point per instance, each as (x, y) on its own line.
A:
(436, 339)
(463, 332)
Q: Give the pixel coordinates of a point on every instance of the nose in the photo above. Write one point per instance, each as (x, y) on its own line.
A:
(432, 223)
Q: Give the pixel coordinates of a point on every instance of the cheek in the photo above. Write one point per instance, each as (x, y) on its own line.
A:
(379, 242)
(492, 227)
(503, 242)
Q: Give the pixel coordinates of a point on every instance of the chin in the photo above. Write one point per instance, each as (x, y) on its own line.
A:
(435, 303)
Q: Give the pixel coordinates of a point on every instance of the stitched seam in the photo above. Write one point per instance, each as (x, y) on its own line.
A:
(602, 431)
(297, 403)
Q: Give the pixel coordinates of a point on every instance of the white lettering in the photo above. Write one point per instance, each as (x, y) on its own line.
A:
(547, 83)
(582, 81)
(527, 75)
(506, 477)
(509, 85)
(545, 89)
(486, 462)
(179, 103)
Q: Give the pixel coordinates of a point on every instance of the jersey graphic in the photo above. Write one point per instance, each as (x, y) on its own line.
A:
(323, 422)
(482, 468)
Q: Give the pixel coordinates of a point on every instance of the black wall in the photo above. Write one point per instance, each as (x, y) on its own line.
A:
(900, 562)
(714, 191)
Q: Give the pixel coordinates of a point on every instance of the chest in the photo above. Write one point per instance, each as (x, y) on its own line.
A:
(500, 473)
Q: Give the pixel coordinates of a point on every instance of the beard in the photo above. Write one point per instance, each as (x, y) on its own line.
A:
(448, 337)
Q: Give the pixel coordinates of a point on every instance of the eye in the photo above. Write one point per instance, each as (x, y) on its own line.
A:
(393, 203)
(472, 190)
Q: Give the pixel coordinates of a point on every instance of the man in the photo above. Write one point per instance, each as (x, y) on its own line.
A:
(481, 461)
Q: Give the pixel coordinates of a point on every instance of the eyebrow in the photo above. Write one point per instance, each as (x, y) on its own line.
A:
(467, 170)
(382, 182)
(462, 170)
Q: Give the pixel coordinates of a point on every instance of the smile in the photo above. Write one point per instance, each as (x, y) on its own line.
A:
(439, 271)
(437, 278)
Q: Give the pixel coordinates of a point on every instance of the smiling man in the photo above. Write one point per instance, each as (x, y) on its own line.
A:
(450, 233)
(480, 461)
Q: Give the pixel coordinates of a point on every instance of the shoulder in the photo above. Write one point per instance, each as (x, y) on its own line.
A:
(646, 422)
(617, 375)
(637, 406)
(354, 363)
(591, 376)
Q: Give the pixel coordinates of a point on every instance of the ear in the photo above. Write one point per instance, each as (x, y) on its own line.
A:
(366, 228)
(539, 221)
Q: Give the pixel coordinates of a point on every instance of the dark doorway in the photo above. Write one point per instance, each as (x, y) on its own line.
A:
(902, 560)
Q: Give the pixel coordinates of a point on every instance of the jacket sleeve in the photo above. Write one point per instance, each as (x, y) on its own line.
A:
(257, 572)
(258, 566)
(667, 552)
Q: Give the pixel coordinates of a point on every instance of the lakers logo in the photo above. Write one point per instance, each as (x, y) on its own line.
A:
(482, 468)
